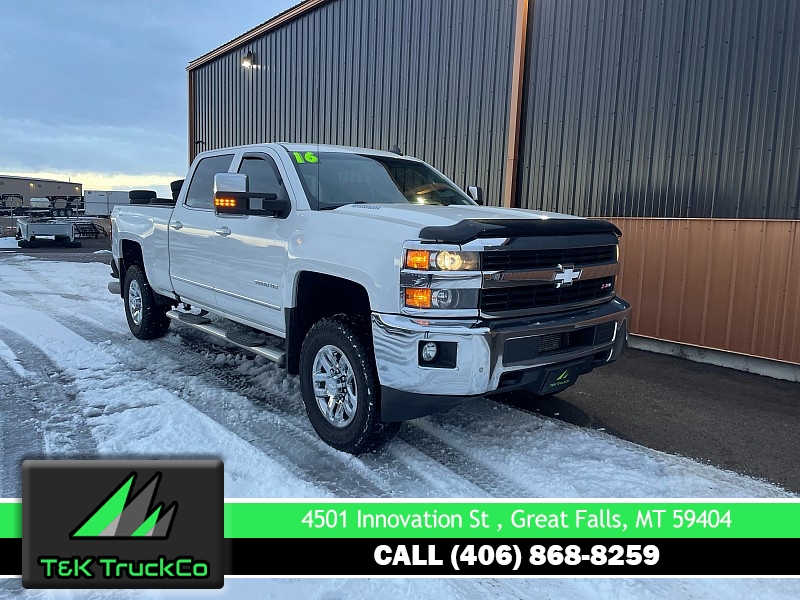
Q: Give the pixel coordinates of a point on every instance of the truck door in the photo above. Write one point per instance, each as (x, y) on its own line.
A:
(250, 252)
(191, 234)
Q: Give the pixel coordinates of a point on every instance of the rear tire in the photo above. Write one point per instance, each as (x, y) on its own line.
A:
(339, 384)
(147, 319)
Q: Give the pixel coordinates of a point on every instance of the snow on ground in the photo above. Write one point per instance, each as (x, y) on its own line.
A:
(102, 393)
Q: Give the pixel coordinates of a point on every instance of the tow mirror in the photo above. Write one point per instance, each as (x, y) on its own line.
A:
(232, 198)
(476, 193)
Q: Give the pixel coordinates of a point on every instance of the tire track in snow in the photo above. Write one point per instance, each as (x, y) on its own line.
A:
(20, 431)
(492, 483)
(52, 396)
(398, 478)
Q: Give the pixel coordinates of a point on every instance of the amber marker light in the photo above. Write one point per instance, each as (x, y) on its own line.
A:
(227, 202)
(418, 297)
(418, 259)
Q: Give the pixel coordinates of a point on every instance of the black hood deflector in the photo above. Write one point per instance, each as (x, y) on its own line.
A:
(472, 229)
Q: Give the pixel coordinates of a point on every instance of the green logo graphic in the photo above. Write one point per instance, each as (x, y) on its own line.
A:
(563, 375)
(123, 516)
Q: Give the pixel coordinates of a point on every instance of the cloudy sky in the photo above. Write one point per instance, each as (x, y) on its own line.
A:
(96, 90)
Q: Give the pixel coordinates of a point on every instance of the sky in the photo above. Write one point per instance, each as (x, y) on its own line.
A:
(97, 390)
(95, 91)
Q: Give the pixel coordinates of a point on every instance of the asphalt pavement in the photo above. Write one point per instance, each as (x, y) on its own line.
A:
(91, 250)
(733, 420)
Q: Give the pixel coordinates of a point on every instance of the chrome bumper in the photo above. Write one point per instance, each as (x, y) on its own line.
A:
(481, 344)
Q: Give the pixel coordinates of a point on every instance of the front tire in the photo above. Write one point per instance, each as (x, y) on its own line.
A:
(340, 388)
(147, 319)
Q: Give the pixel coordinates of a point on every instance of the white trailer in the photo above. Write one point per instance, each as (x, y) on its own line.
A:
(99, 203)
(67, 232)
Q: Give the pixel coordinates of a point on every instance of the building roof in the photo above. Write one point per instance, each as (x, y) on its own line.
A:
(38, 179)
(280, 19)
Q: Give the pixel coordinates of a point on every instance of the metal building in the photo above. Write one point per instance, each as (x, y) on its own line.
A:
(31, 187)
(678, 120)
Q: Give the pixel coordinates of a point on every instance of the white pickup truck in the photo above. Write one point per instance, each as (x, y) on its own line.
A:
(391, 292)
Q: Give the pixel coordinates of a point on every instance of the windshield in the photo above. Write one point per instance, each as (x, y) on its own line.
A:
(333, 179)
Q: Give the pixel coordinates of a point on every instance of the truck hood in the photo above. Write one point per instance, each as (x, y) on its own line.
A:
(420, 216)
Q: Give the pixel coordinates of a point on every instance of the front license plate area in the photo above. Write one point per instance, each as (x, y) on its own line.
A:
(561, 377)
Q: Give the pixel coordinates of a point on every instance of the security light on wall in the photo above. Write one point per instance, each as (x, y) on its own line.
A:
(249, 60)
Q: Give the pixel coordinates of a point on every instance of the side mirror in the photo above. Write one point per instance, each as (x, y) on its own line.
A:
(232, 198)
(476, 193)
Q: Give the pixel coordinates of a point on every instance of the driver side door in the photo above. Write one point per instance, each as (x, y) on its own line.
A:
(250, 252)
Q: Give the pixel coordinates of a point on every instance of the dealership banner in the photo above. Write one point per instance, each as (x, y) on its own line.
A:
(121, 525)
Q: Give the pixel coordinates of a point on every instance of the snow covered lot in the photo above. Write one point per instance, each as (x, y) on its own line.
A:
(76, 382)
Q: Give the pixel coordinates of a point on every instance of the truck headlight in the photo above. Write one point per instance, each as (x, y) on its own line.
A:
(443, 299)
(441, 260)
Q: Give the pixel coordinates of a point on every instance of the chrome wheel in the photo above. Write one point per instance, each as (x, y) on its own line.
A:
(135, 302)
(335, 386)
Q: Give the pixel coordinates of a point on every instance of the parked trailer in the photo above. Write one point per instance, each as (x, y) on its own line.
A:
(50, 206)
(67, 232)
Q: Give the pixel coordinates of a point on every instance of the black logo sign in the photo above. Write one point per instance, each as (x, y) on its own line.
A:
(93, 524)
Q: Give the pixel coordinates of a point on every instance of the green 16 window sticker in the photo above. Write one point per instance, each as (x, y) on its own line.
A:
(308, 157)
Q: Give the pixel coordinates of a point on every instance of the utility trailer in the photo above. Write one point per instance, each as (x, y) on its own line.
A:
(66, 232)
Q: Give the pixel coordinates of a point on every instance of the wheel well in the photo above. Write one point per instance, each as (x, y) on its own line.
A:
(319, 296)
(131, 255)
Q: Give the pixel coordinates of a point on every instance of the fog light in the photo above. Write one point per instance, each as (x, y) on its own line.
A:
(444, 298)
(429, 351)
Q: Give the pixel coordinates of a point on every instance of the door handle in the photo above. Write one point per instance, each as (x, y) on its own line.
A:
(223, 231)
(176, 225)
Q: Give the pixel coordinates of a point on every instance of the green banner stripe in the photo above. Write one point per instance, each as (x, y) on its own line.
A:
(518, 519)
(331, 519)
(10, 519)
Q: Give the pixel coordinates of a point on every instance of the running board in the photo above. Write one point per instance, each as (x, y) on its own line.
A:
(277, 356)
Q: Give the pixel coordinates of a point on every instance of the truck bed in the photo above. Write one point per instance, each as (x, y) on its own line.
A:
(147, 225)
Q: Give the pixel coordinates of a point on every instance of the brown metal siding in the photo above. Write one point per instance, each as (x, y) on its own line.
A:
(726, 284)
(652, 108)
(432, 77)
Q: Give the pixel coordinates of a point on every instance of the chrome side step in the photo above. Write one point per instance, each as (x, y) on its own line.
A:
(268, 352)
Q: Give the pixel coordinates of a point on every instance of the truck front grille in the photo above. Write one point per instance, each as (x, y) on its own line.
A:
(529, 297)
(499, 260)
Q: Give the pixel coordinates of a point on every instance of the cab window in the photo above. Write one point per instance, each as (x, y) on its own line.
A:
(201, 188)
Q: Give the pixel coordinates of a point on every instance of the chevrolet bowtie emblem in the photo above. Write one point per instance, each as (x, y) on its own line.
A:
(566, 275)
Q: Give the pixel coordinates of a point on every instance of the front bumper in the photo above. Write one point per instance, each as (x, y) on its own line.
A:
(484, 364)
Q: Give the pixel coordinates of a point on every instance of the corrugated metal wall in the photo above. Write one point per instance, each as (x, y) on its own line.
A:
(432, 77)
(654, 108)
(721, 283)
